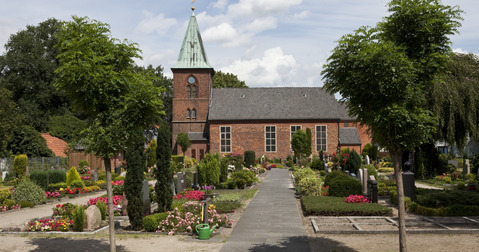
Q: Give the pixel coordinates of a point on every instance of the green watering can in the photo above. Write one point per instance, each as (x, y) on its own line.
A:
(204, 231)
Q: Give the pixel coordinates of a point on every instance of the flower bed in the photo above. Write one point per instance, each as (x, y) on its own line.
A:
(45, 225)
(336, 206)
(4, 208)
(356, 199)
(191, 195)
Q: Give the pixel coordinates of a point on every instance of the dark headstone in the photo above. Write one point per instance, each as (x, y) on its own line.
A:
(373, 191)
(408, 185)
(180, 182)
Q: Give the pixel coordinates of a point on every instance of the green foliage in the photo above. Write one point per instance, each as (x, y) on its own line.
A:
(27, 190)
(366, 150)
(332, 175)
(67, 127)
(309, 142)
(335, 206)
(310, 186)
(227, 80)
(151, 222)
(102, 206)
(183, 141)
(224, 162)
(20, 163)
(343, 186)
(243, 178)
(134, 181)
(9, 203)
(79, 219)
(26, 140)
(226, 207)
(40, 178)
(151, 154)
(461, 186)
(28, 67)
(9, 117)
(475, 164)
(354, 162)
(209, 170)
(77, 184)
(371, 170)
(25, 204)
(5, 193)
(72, 175)
(118, 178)
(299, 142)
(83, 166)
(302, 173)
(163, 173)
(56, 186)
(317, 164)
(249, 157)
(290, 163)
(56, 176)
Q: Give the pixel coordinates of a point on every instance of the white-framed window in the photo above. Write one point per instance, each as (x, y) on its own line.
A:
(270, 138)
(321, 137)
(193, 114)
(293, 129)
(188, 114)
(225, 139)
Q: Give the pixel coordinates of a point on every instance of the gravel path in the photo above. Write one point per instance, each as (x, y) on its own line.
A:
(15, 220)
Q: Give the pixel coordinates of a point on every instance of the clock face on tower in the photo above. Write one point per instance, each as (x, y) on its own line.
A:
(191, 80)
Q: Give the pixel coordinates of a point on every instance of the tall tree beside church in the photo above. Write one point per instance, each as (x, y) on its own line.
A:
(227, 80)
(135, 158)
(183, 141)
(97, 74)
(163, 175)
(384, 75)
(27, 69)
(9, 119)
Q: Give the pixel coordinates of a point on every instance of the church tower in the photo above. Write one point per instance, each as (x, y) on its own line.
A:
(192, 83)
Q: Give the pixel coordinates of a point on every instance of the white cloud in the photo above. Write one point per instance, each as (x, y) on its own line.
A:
(261, 24)
(227, 35)
(273, 69)
(158, 23)
(303, 14)
(220, 4)
(261, 8)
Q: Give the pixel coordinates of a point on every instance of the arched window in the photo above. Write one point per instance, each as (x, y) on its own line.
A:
(193, 92)
(193, 114)
(188, 91)
(188, 114)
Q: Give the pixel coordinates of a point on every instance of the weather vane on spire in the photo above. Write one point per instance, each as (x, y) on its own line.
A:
(193, 7)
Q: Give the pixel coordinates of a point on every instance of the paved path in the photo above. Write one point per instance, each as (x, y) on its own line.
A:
(272, 221)
(17, 218)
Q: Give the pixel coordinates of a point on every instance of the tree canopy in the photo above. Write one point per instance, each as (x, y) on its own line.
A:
(227, 80)
(183, 141)
(9, 118)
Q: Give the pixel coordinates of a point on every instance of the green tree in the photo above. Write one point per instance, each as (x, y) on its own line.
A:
(183, 141)
(309, 142)
(299, 143)
(27, 70)
(26, 140)
(384, 75)
(134, 156)
(98, 76)
(227, 80)
(209, 170)
(67, 127)
(163, 174)
(9, 119)
(151, 154)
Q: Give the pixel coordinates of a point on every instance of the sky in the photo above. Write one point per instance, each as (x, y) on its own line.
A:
(266, 43)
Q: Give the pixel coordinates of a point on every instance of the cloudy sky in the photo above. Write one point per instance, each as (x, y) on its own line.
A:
(267, 43)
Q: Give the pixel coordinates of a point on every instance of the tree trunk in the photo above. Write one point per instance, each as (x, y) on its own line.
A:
(109, 192)
(397, 161)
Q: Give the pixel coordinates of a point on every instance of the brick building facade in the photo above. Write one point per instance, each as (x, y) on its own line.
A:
(259, 119)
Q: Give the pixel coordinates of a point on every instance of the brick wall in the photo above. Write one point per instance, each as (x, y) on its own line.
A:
(250, 135)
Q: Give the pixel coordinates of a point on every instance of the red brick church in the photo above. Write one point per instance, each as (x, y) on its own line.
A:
(234, 120)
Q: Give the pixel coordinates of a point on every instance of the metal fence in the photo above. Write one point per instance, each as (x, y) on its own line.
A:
(37, 164)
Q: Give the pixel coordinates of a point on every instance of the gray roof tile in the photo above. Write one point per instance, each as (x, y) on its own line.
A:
(305, 103)
(349, 136)
(198, 136)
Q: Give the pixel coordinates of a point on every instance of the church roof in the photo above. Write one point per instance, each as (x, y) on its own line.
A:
(192, 53)
(349, 136)
(304, 103)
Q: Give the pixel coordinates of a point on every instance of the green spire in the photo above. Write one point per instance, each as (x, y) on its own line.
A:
(192, 53)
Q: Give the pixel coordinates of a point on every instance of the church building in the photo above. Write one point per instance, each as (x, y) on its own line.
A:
(234, 120)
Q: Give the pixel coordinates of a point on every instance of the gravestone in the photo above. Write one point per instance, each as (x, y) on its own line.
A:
(145, 190)
(466, 167)
(94, 175)
(326, 170)
(180, 182)
(364, 180)
(195, 181)
(366, 160)
(361, 174)
(92, 218)
(4, 174)
(408, 181)
(373, 190)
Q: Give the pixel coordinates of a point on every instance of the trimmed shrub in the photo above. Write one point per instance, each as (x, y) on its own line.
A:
(25, 204)
(77, 184)
(249, 157)
(20, 163)
(310, 186)
(332, 175)
(79, 219)
(354, 162)
(209, 170)
(40, 178)
(5, 193)
(371, 170)
(302, 173)
(335, 206)
(151, 222)
(243, 178)
(290, 163)
(224, 169)
(72, 175)
(56, 176)
(56, 186)
(102, 206)
(461, 186)
(9, 202)
(344, 186)
(27, 190)
(317, 164)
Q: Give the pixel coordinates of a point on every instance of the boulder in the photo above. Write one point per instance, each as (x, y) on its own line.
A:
(93, 218)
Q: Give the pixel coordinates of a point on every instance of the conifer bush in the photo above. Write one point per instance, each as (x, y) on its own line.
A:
(133, 183)
(77, 184)
(72, 175)
(249, 157)
(102, 206)
(20, 163)
(40, 178)
(28, 191)
(163, 173)
(79, 219)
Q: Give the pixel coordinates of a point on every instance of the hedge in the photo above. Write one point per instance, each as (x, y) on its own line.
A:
(335, 206)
